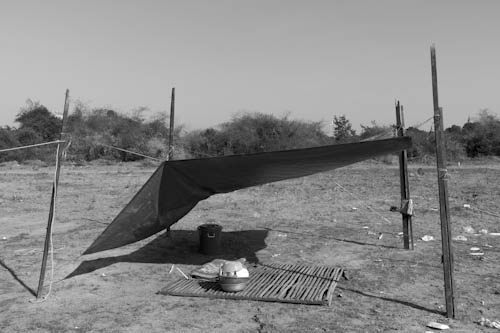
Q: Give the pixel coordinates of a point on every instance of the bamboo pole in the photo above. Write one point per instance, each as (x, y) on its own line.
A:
(171, 131)
(48, 235)
(170, 154)
(404, 181)
(444, 212)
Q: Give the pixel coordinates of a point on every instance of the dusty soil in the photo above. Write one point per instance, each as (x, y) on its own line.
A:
(307, 220)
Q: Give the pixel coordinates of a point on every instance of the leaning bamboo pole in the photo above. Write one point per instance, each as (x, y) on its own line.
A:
(48, 235)
(447, 258)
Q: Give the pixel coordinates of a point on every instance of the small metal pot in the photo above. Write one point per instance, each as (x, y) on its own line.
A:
(233, 284)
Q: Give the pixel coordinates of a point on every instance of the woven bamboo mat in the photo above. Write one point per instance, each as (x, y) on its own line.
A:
(304, 284)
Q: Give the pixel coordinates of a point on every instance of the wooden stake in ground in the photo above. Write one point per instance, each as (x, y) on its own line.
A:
(170, 154)
(48, 235)
(405, 190)
(443, 195)
(171, 132)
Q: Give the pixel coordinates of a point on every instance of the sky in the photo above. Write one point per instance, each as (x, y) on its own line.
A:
(309, 59)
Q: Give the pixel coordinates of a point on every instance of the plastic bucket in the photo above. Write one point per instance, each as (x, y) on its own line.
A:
(210, 235)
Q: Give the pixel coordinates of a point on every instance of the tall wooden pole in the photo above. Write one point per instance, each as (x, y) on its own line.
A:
(170, 154)
(443, 195)
(171, 131)
(48, 235)
(405, 190)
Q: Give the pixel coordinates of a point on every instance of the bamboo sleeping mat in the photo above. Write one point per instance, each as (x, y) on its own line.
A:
(305, 284)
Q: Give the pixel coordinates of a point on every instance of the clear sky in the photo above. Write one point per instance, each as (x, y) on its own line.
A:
(312, 59)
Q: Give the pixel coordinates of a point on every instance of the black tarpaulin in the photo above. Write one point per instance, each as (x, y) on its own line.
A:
(177, 186)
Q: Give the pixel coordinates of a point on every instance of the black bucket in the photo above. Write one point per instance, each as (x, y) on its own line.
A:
(210, 235)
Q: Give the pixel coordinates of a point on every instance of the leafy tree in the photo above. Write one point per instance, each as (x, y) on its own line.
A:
(342, 129)
(482, 137)
(375, 131)
(423, 144)
(39, 119)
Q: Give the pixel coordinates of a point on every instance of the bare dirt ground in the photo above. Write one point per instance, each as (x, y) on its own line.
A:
(308, 220)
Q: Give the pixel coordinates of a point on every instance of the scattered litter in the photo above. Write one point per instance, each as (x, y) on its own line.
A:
(488, 245)
(354, 208)
(466, 206)
(365, 227)
(281, 235)
(377, 260)
(256, 215)
(400, 233)
(483, 231)
(475, 249)
(103, 275)
(380, 236)
(469, 229)
(460, 238)
(433, 209)
(494, 233)
(489, 323)
(427, 238)
(371, 233)
(477, 253)
(438, 326)
(4, 238)
(275, 255)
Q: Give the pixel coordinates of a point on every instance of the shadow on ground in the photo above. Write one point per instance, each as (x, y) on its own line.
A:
(182, 247)
(402, 302)
(14, 275)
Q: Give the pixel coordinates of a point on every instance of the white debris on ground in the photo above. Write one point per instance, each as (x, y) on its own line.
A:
(460, 238)
(438, 326)
(476, 251)
(489, 323)
(469, 230)
(427, 238)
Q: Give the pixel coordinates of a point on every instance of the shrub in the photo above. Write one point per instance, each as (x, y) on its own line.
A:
(38, 119)
(8, 140)
(252, 133)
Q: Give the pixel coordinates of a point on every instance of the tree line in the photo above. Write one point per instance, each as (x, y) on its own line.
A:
(93, 131)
